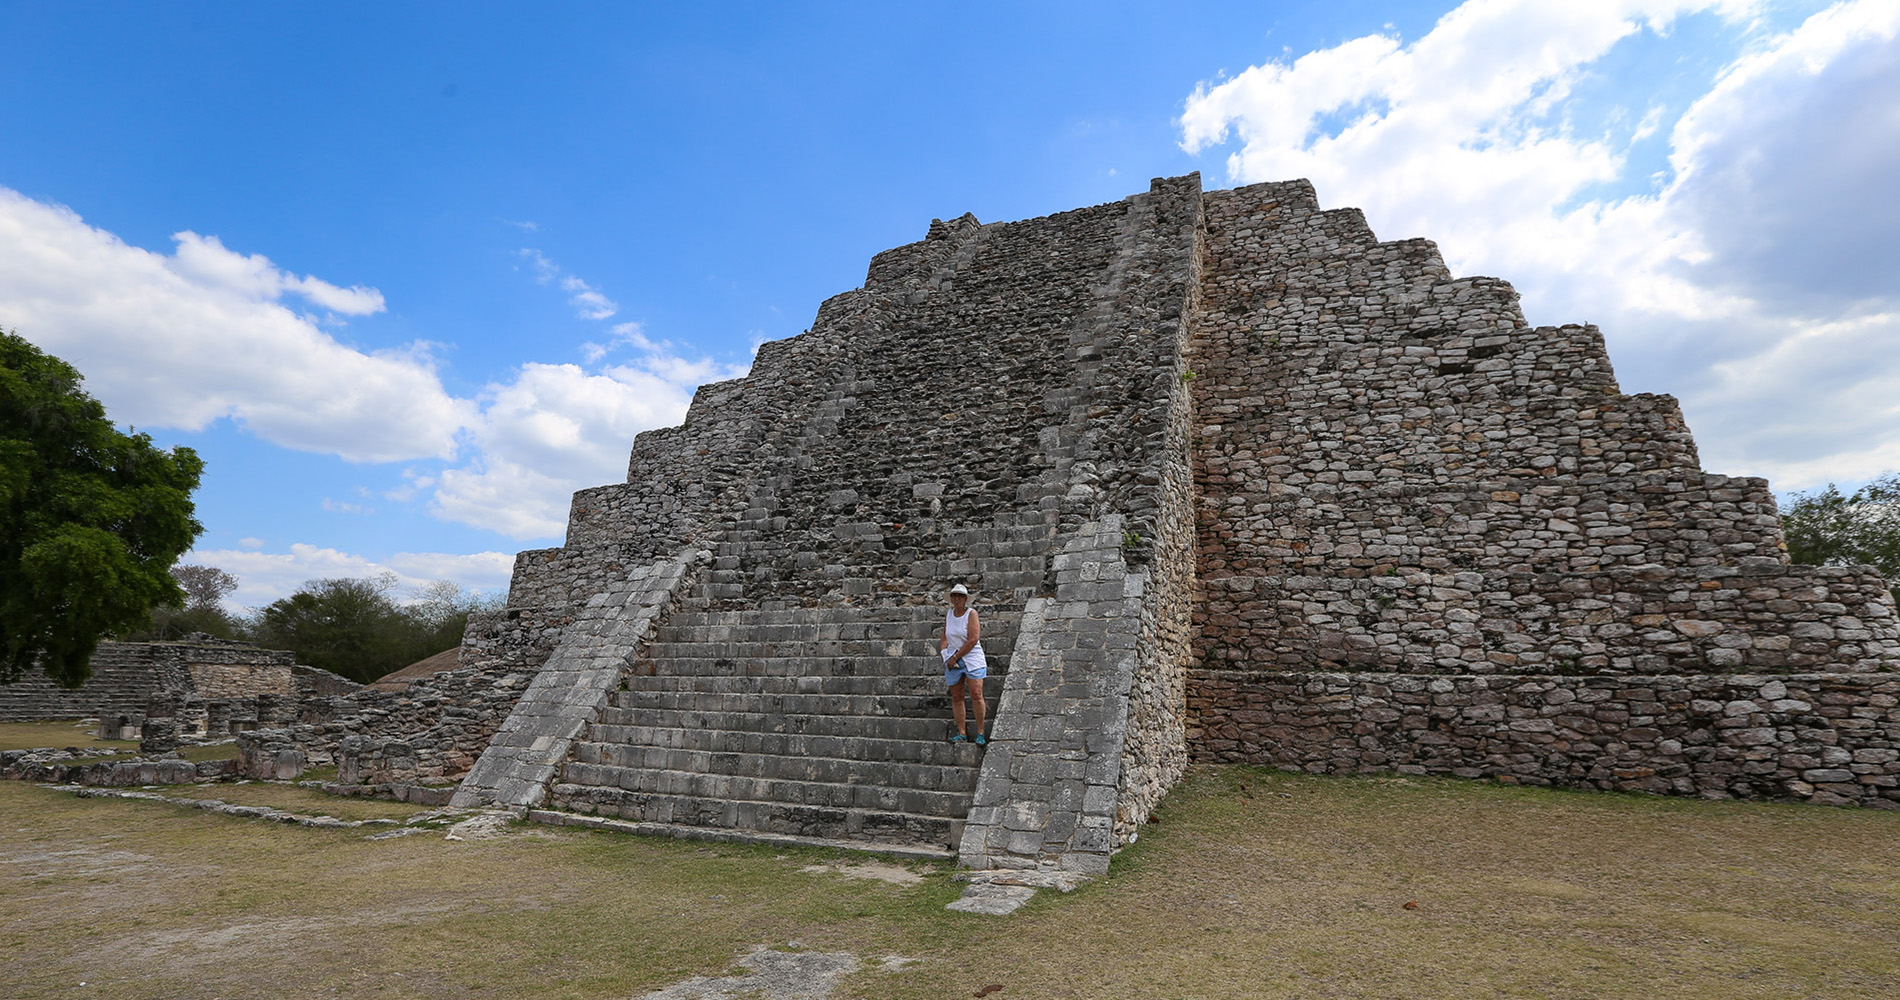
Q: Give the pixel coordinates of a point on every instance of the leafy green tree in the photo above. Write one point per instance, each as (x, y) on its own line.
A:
(346, 626)
(1825, 527)
(357, 627)
(91, 519)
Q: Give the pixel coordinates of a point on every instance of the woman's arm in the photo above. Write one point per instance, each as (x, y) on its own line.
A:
(976, 635)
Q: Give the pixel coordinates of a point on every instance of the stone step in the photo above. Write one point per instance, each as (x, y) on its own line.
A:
(909, 852)
(868, 826)
(855, 617)
(831, 623)
(743, 788)
(924, 702)
(923, 727)
(914, 682)
(768, 658)
(954, 777)
(929, 748)
(724, 640)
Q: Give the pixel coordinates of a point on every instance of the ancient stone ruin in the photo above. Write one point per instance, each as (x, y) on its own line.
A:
(1233, 481)
(198, 686)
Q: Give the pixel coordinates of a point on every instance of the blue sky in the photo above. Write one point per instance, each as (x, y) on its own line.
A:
(408, 274)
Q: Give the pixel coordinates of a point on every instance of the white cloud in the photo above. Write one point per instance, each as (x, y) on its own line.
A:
(183, 340)
(588, 302)
(1758, 278)
(559, 428)
(205, 260)
(344, 507)
(264, 577)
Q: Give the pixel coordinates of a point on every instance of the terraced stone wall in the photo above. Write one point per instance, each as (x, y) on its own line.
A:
(992, 396)
(1525, 571)
(1397, 473)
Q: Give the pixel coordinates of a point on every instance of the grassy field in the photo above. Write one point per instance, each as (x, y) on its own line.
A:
(67, 733)
(1253, 884)
(58, 735)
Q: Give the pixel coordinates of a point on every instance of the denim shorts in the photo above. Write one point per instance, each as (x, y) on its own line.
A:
(969, 666)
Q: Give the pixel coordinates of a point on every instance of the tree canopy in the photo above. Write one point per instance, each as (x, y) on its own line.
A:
(205, 588)
(91, 519)
(1825, 527)
(357, 628)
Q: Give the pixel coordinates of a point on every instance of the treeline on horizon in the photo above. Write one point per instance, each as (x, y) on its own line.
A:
(361, 628)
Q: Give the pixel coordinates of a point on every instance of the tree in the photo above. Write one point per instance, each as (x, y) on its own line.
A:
(1826, 528)
(205, 588)
(91, 518)
(355, 627)
(440, 611)
(346, 626)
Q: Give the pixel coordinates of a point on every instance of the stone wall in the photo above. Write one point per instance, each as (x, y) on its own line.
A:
(1396, 472)
(1759, 618)
(1824, 738)
(433, 730)
(216, 683)
(124, 678)
(1525, 571)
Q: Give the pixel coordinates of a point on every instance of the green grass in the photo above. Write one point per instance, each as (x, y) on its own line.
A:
(58, 735)
(1253, 884)
(291, 798)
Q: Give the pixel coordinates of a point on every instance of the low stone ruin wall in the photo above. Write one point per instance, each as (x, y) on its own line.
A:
(432, 731)
(35, 765)
(1825, 738)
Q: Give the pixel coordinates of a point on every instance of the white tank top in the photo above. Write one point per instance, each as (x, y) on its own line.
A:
(957, 631)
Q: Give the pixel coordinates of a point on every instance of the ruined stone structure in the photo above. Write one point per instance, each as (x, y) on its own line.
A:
(1233, 481)
(201, 684)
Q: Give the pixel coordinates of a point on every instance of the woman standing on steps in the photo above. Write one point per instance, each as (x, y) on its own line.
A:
(963, 665)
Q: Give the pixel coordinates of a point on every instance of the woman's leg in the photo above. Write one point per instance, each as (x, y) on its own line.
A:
(976, 701)
(956, 701)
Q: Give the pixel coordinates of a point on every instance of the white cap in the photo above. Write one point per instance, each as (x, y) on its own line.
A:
(959, 589)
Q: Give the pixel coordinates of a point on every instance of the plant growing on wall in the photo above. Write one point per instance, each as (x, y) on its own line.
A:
(91, 519)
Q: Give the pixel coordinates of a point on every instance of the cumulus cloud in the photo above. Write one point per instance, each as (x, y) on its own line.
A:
(205, 260)
(264, 577)
(557, 428)
(185, 339)
(1756, 277)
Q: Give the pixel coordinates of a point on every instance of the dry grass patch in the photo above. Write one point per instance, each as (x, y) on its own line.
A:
(296, 799)
(1253, 884)
(59, 735)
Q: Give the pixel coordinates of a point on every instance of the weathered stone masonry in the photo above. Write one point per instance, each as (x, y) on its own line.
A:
(1398, 477)
(1234, 480)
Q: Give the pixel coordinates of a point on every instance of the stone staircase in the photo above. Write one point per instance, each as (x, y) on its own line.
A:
(822, 724)
(124, 678)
